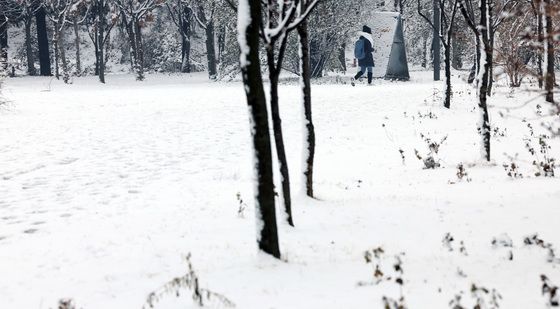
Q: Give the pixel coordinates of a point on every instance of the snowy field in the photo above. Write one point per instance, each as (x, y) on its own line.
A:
(105, 189)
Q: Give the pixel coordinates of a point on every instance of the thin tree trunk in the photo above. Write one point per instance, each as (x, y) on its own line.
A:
(100, 38)
(3, 45)
(448, 89)
(305, 80)
(133, 30)
(132, 41)
(63, 60)
(278, 134)
(107, 47)
(139, 51)
(491, 54)
(96, 51)
(186, 40)
(456, 62)
(316, 58)
(476, 65)
(249, 22)
(342, 57)
(540, 38)
(484, 125)
(436, 41)
(43, 42)
(29, 48)
(484, 122)
(549, 43)
(211, 50)
(186, 55)
(77, 44)
(221, 43)
(56, 38)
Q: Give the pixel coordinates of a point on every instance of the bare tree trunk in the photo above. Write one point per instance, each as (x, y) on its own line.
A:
(139, 51)
(476, 65)
(278, 134)
(96, 51)
(448, 45)
(221, 43)
(3, 45)
(456, 61)
(436, 46)
(185, 18)
(135, 39)
(317, 58)
(485, 64)
(305, 80)
(185, 55)
(28, 47)
(549, 49)
(100, 38)
(342, 57)
(540, 38)
(56, 39)
(249, 22)
(62, 52)
(490, 52)
(43, 42)
(77, 44)
(448, 89)
(211, 50)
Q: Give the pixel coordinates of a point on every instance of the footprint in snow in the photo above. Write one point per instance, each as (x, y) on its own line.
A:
(30, 231)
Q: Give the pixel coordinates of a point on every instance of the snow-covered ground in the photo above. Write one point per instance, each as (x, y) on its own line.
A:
(104, 189)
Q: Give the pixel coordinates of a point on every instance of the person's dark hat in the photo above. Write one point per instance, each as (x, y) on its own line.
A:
(366, 29)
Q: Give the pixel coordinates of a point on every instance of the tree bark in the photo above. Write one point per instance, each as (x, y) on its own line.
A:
(56, 36)
(317, 57)
(3, 44)
(28, 47)
(305, 80)
(43, 42)
(100, 39)
(185, 18)
(448, 45)
(274, 74)
(221, 43)
(457, 62)
(342, 57)
(251, 71)
(185, 55)
(436, 46)
(540, 38)
(139, 51)
(135, 39)
(549, 43)
(484, 122)
(448, 89)
(96, 51)
(490, 52)
(211, 50)
(63, 60)
(77, 44)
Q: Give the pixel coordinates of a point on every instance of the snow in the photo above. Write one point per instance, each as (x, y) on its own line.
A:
(104, 189)
(243, 22)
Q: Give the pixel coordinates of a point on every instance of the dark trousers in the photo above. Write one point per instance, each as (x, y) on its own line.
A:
(363, 69)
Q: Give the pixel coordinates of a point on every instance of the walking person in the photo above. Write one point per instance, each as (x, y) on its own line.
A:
(363, 51)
